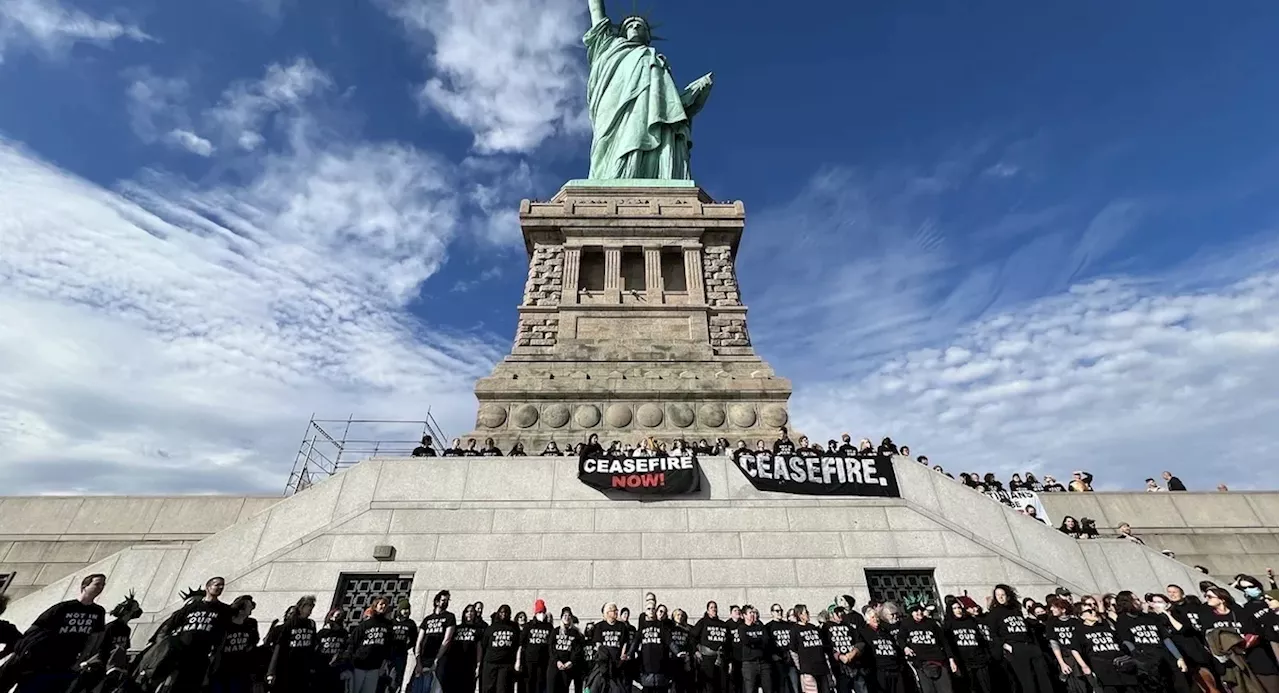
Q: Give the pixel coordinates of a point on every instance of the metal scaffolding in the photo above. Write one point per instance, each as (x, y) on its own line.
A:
(322, 454)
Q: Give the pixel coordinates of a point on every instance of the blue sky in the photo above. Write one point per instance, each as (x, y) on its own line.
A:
(1009, 234)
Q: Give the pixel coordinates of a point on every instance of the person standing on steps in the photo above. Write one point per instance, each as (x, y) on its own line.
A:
(753, 652)
(237, 667)
(534, 650)
(566, 658)
(293, 659)
(436, 633)
(371, 647)
(928, 651)
(1013, 634)
(710, 643)
(781, 635)
(333, 671)
(43, 660)
(405, 631)
(809, 653)
(499, 646)
(459, 662)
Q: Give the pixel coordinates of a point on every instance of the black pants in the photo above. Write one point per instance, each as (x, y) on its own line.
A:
(710, 676)
(978, 678)
(785, 677)
(883, 680)
(497, 678)
(533, 678)
(735, 677)
(1029, 668)
(756, 676)
(558, 681)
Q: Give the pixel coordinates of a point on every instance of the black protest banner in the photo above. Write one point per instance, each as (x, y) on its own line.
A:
(657, 475)
(855, 474)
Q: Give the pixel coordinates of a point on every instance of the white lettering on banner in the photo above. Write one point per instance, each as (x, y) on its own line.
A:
(814, 470)
(637, 465)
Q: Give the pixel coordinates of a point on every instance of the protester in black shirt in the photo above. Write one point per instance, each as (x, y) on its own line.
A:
(1172, 482)
(1016, 639)
(459, 660)
(107, 651)
(652, 650)
(371, 647)
(1015, 483)
(710, 644)
(1185, 616)
(470, 450)
(754, 652)
(928, 651)
(845, 647)
(846, 445)
(682, 665)
(293, 658)
(1146, 637)
(1096, 650)
(1256, 619)
(809, 652)
(1051, 485)
(1070, 527)
(405, 632)
(970, 646)
(535, 650)
(197, 630)
(885, 657)
(426, 449)
(552, 450)
(783, 445)
(436, 633)
(498, 649)
(1060, 631)
(237, 667)
(44, 658)
(331, 647)
(609, 640)
(454, 449)
(490, 449)
(566, 660)
(592, 449)
(780, 631)
(887, 447)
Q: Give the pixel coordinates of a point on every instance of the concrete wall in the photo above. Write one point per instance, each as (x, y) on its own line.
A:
(506, 530)
(1228, 533)
(46, 538)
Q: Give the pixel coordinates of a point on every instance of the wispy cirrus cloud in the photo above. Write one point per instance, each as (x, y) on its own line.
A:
(187, 329)
(158, 112)
(511, 71)
(51, 28)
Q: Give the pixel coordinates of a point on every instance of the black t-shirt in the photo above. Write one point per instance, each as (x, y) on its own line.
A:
(462, 651)
(295, 651)
(710, 634)
(1260, 657)
(968, 642)
(433, 629)
(839, 637)
(781, 634)
(883, 644)
(1175, 484)
(452, 452)
(810, 649)
(491, 452)
(534, 640)
(372, 643)
(566, 645)
(1146, 631)
(58, 636)
(735, 639)
(753, 642)
(784, 446)
(1010, 626)
(423, 451)
(1264, 617)
(405, 633)
(650, 646)
(238, 648)
(1099, 646)
(116, 635)
(201, 625)
(501, 640)
(926, 640)
(679, 638)
(331, 642)
(610, 638)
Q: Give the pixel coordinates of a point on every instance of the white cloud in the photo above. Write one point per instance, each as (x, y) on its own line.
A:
(246, 108)
(191, 142)
(510, 70)
(187, 331)
(52, 29)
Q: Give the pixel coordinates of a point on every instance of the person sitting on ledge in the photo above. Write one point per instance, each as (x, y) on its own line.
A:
(1153, 487)
(846, 445)
(887, 447)
(904, 451)
(923, 459)
(471, 450)
(1081, 482)
(804, 449)
(1172, 482)
(1051, 485)
(517, 450)
(1031, 483)
(741, 449)
(425, 450)
(615, 450)
(1015, 483)
(592, 448)
(551, 450)
(490, 449)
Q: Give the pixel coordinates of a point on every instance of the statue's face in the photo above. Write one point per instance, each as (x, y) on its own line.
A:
(635, 29)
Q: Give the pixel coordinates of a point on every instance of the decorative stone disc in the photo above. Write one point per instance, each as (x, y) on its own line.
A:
(649, 415)
(555, 415)
(773, 416)
(711, 415)
(587, 416)
(617, 415)
(524, 415)
(680, 415)
(491, 416)
(742, 415)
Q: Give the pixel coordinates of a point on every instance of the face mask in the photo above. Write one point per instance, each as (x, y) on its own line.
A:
(1253, 592)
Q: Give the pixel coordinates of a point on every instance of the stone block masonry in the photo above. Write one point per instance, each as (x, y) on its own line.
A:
(631, 325)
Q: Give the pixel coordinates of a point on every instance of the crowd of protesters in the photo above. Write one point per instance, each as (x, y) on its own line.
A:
(1080, 482)
(1121, 643)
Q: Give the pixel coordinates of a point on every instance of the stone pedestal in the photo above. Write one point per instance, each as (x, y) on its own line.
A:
(632, 324)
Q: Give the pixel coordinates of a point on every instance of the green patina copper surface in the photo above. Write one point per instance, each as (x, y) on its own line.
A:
(641, 123)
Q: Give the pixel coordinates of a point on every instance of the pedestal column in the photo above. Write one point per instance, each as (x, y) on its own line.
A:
(613, 275)
(653, 274)
(572, 260)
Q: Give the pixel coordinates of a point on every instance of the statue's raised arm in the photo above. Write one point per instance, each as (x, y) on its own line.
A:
(597, 11)
(640, 120)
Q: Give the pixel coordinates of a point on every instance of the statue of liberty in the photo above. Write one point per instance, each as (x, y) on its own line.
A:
(640, 121)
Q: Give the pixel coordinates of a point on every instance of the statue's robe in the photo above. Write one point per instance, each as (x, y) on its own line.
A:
(639, 127)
